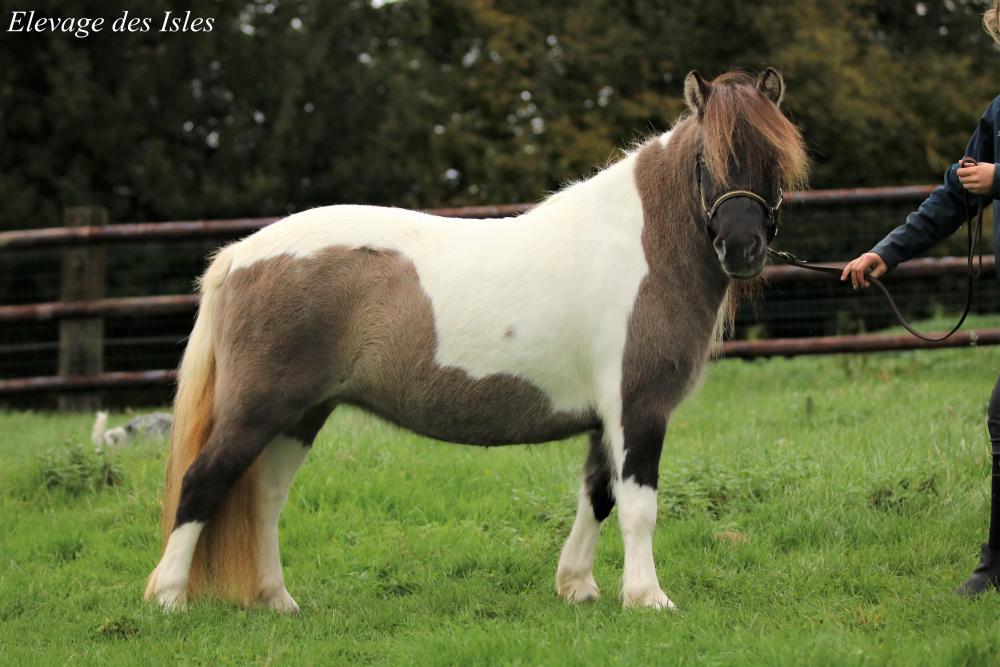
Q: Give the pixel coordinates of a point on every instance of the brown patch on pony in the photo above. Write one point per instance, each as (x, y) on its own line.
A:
(669, 332)
(740, 119)
(676, 309)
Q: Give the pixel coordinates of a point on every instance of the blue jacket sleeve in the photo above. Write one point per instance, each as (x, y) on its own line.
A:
(946, 208)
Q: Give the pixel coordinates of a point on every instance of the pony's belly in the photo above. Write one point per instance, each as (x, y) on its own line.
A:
(448, 404)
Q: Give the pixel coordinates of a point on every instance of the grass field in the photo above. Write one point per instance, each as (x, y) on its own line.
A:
(857, 488)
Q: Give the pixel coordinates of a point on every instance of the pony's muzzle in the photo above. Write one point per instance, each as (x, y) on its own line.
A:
(741, 261)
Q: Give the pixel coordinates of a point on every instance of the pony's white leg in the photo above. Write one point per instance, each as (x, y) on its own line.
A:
(574, 576)
(637, 517)
(169, 581)
(635, 451)
(278, 464)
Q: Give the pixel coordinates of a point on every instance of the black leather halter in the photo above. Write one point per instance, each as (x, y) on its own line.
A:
(710, 211)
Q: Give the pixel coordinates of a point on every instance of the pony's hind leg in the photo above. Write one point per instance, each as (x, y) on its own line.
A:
(229, 452)
(574, 576)
(168, 583)
(278, 464)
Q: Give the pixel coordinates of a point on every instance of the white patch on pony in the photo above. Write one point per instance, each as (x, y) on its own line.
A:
(572, 264)
(637, 517)
(277, 464)
(575, 574)
(610, 410)
(168, 583)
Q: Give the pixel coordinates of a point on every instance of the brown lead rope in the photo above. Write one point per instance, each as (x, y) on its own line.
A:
(975, 232)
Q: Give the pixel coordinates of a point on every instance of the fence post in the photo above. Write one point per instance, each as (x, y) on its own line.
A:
(81, 341)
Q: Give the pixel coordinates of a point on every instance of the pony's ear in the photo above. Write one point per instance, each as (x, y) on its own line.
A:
(696, 91)
(772, 85)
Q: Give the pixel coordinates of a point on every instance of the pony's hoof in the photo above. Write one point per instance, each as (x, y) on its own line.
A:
(579, 589)
(653, 599)
(150, 587)
(282, 602)
(169, 599)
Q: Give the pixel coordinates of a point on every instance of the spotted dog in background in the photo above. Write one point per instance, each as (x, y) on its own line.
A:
(154, 426)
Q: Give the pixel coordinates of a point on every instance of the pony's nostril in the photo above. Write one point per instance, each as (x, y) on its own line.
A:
(753, 249)
(720, 249)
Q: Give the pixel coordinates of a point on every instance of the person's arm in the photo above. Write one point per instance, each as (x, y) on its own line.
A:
(942, 212)
(936, 219)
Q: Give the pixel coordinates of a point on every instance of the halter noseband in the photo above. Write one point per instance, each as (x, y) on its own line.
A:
(710, 211)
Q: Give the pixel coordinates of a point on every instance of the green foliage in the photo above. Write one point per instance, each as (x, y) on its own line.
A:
(697, 487)
(74, 469)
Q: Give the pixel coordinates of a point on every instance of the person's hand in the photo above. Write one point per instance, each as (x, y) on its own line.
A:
(977, 179)
(858, 268)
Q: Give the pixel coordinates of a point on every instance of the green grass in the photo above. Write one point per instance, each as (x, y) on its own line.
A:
(859, 483)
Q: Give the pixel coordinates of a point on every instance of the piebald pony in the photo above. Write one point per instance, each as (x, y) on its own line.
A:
(594, 312)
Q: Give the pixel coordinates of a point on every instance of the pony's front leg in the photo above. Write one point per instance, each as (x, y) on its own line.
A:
(641, 441)
(575, 576)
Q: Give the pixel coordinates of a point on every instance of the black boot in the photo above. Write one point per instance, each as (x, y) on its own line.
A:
(985, 576)
(987, 573)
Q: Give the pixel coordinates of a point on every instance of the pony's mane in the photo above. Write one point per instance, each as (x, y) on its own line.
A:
(737, 119)
(741, 127)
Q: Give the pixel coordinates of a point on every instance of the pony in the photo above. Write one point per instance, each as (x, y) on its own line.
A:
(596, 312)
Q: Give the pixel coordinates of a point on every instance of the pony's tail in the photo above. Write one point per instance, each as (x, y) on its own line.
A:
(225, 560)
